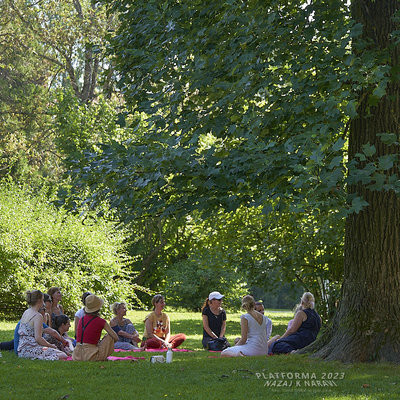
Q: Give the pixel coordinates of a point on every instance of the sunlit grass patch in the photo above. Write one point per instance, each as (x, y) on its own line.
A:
(198, 374)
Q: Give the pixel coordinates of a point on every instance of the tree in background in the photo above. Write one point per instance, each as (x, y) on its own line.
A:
(254, 101)
(47, 46)
(363, 328)
(25, 137)
(70, 37)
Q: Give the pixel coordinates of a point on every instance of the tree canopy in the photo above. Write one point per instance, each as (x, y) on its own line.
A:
(252, 103)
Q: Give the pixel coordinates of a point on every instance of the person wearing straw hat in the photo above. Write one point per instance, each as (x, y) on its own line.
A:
(89, 347)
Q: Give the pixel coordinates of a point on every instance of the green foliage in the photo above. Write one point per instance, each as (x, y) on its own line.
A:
(240, 113)
(285, 296)
(225, 71)
(189, 282)
(44, 47)
(41, 247)
(234, 251)
(307, 248)
(25, 137)
(240, 110)
(81, 127)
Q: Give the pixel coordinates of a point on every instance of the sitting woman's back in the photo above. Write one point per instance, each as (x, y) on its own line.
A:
(303, 331)
(31, 343)
(253, 341)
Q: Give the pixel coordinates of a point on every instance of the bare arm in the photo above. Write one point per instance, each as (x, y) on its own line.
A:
(132, 336)
(244, 330)
(223, 328)
(206, 327)
(56, 335)
(167, 331)
(150, 334)
(38, 327)
(299, 318)
(76, 321)
(47, 319)
(110, 331)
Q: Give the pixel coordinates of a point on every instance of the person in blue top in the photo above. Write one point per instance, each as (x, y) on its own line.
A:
(303, 330)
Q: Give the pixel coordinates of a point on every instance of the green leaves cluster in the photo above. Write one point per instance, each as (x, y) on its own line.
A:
(245, 102)
(239, 108)
(40, 248)
(81, 127)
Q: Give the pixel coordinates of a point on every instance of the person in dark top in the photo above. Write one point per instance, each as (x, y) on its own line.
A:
(214, 318)
(303, 331)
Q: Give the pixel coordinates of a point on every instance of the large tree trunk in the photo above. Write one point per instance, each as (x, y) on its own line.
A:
(367, 325)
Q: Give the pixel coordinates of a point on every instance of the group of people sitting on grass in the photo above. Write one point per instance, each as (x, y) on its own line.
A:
(256, 327)
(42, 332)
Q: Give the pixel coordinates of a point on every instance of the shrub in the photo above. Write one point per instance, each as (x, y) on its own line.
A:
(41, 247)
(190, 281)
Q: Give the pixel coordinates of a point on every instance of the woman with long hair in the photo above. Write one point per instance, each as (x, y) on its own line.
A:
(62, 324)
(56, 296)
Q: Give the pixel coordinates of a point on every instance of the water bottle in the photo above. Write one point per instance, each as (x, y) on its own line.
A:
(169, 356)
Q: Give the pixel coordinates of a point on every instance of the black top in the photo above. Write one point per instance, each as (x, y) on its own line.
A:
(214, 321)
(312, 324)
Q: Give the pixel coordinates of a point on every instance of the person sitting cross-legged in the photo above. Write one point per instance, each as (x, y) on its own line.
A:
(48, 332)
(157, 333)
(214, 318)
(89, 347)
(62, 324)
(128, 336)
(253, 340)
(31, 342)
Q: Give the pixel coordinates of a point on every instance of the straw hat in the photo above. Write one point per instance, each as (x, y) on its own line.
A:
(93, 303)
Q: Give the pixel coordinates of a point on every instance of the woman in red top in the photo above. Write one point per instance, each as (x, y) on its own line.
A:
(89, 347)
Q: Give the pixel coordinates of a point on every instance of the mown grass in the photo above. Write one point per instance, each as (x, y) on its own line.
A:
(196, 375)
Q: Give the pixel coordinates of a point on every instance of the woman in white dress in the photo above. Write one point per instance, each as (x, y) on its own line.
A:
(253, 341)
(31, 343)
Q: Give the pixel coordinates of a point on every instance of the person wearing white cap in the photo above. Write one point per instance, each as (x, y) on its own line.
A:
(89, 347)
(214, 318)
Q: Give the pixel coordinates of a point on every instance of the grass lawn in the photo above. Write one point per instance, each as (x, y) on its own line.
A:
(196, 375)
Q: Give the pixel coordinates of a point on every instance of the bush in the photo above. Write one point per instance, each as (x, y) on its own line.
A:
(42, 247)
(190, 281)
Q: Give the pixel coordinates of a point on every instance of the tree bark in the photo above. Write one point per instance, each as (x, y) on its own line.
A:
(367, 324)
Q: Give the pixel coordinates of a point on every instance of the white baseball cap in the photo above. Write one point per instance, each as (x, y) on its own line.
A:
(215, 295)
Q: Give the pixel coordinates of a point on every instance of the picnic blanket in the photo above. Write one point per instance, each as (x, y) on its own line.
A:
(115, 358)
(156, 350)
(127, 358)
